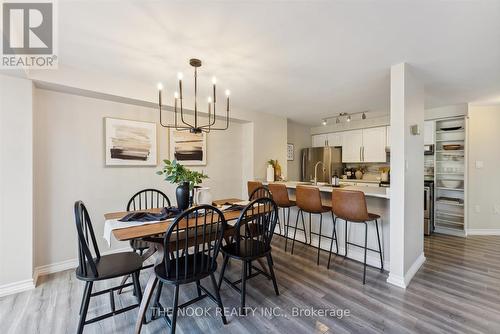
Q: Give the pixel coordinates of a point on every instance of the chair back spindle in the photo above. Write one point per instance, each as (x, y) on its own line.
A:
(86, 240)
(148, 199)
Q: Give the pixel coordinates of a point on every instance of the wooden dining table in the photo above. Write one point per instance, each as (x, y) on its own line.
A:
(150, 233)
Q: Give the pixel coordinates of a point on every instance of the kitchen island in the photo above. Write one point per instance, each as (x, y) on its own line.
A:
(377, 200)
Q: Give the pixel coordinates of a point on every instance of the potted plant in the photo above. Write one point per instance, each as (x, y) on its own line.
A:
(185, 179)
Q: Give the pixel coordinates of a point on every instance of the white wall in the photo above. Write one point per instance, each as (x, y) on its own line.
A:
(299, 135)
(69, 165)
(16, 178)
(407, 178)
(484, 183)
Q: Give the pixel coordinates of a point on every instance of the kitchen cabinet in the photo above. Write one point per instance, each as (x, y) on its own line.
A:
(352, 143)
(334, 139)
(388, 136)
(319, 140)
(327, 139)
(429, 132)
(374, 143)
(366, 145)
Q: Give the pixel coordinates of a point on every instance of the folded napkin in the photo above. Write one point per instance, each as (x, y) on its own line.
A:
(165, 214)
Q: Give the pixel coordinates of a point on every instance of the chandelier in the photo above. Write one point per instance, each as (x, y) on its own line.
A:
(180, 123)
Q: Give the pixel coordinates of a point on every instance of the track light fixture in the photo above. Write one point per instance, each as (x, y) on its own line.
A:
(348, 117)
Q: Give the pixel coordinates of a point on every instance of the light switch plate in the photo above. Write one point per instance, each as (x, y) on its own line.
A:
(479, 164)
(415, 130)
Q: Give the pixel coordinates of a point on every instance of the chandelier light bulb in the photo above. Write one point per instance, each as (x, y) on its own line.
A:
(159, 86)
(176, 95)
(228, 92)
(214, 80)
(209, 99)
(180, 75)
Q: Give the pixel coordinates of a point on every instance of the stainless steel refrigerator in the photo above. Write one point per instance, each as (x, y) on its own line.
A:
(330, 158)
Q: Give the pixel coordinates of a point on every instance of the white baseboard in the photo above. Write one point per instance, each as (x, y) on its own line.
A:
(16, 287)
(403, 282)
(67, 264)
(483, 231)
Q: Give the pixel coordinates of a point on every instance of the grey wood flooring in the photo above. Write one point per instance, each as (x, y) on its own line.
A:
(456, 291)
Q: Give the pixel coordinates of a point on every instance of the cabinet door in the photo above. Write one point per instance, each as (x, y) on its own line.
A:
(428, 132)
(374, 140)
(352, 141)
(319, 140)
(334, 139)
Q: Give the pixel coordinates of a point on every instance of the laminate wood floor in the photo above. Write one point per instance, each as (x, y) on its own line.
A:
(456, 291)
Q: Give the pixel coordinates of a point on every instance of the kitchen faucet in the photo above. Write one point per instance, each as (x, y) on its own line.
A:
(316, 171)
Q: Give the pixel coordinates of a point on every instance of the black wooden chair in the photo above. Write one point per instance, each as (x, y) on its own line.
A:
(93, 268)
(251, 240)
(191, 245)
(144, 200)
(263, 192)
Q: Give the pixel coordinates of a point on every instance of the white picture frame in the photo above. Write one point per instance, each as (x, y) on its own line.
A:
(188, 148)
(130, 143)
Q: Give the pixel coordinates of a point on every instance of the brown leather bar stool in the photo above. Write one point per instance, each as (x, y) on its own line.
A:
(350, 206)
(280, 196)
(252, 185)
(309, 200)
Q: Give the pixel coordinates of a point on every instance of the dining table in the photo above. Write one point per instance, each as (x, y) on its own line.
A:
(152, 233)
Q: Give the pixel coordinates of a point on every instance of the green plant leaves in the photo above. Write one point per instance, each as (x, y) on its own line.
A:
(176, 173)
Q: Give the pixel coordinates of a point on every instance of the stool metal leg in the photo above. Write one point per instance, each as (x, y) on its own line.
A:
(287, 224)
(334, 235)
(379, 248)
(319, 236)
(345, 255)
(295, 232)
(304, 226)
(310, 230)
(366, 248)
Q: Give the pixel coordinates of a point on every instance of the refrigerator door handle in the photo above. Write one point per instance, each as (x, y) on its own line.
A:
(303, 166)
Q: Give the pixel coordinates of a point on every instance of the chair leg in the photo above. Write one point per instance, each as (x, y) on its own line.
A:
(271, 271)
(85, 308)
(366, 248)
(175, 309)
(310, 230)
(319, 236)
(148, 293)
(279, 224)
(223, 269)
(295, 232)
(137, 286)
(249, 268)
(331, 243)
(83, 297)
(379, 248)
(304, 227)
(124, 280)
(156, 302)
(287, 224)
(217, 297)
(198, 289)
(243, 288)
(346, 240)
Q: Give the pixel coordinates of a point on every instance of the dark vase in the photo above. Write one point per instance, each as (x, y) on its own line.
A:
(182, 195)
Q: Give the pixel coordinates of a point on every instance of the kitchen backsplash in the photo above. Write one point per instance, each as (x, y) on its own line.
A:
(371, 170)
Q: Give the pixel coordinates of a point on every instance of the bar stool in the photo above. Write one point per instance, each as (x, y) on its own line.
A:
(252, 185)
(309, 200)
(280, 196)
(350, 206)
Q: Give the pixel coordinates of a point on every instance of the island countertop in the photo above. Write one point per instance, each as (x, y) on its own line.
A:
(379, 192)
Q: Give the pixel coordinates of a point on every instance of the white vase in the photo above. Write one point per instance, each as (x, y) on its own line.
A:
(270, 173)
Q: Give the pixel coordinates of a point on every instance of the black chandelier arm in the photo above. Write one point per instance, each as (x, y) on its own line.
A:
(171, 126)
(225, 128)
(180, 127)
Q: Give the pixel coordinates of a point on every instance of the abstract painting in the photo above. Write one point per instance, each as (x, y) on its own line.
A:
(188, 148)
(130, 143)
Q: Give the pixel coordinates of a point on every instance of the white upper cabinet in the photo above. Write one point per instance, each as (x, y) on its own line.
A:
(319, 140)
(429, 132)
(334, 139)
(352, 143)
(374, 143)
(388, 136)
